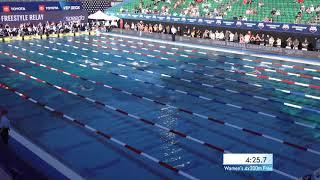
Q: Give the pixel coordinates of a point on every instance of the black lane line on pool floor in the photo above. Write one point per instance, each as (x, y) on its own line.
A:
(78, 122)
(208, 48)
(208, 75)
(313, 126)
(238, 81)
(98, 83)
(102, 134)
(247, 131)
(278, 64)
(282, 72)
(285, 81)
(96, 69)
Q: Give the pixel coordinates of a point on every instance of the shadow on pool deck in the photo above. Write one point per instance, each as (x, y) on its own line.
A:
(12, 167)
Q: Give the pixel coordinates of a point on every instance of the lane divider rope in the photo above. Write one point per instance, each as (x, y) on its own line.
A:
(291, 105)
(284, 81)
(312, 126)
(282, 72)
(199, 52)
(211, 119)
(220, 77)
(146, 98)
(111, 138)
(118, 110)
(100, 133)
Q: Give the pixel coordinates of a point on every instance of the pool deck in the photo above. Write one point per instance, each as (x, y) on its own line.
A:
(4, 175)
(21, 150)
(165, 39)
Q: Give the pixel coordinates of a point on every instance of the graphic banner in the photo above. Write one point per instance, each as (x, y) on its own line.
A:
(35, 17)
(9, 7)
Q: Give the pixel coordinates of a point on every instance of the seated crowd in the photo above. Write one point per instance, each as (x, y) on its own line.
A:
(227, 35)
(44, 28)
(220, 9)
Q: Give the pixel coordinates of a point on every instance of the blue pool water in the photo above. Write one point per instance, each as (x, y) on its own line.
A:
(178, 82)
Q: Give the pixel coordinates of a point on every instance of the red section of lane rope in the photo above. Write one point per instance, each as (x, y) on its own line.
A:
(200, 65)
(258, 61)
(77, 122)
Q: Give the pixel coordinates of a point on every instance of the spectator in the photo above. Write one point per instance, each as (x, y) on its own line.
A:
(114, 24)
(258, 39)
(241, 39)
(260, 4)
(221, 36)
(263, 40)
(312, 8)
(247, 38)
(298, 18)
(252, 39)
(205, 34)
(236, 37)
(227, 35)
(318, 45)
(305, 44)
(167, 29)
(212, 35)
(193, 32)
(296, 44)
(318, 8)
(278, 42)
(271, 41)
(289, 43)
(179, 31)
(160, 28)
(273, 12)
(4, 126)
(126, 26)
(173, 31)
(231, 37)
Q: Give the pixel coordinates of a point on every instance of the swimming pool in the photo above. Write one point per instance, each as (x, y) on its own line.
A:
(111, 107)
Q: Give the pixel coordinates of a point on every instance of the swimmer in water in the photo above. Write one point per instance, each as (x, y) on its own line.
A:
(93, 63)
(138, 64)
(256, 72)
(264, 65)
(86, 88)
(234, 69)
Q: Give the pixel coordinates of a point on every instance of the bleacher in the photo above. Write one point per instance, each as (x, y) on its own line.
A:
(288, 8)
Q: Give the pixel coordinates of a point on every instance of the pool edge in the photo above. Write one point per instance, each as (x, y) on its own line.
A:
(48, 161)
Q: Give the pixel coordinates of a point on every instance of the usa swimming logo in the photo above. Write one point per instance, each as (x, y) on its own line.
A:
(313, 29)
(261, 25)
(239, 23)
(218, 22)
(285, 27)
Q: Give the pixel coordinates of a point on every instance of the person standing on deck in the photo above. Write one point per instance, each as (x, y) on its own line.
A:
(173, 31)
(4, 126)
